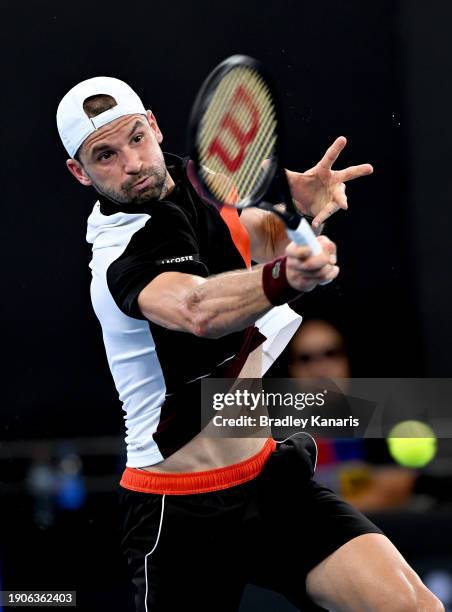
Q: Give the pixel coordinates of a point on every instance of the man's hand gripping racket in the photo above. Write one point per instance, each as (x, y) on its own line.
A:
(235, 144)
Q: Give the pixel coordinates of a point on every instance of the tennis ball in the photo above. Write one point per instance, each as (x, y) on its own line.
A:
(416, 448)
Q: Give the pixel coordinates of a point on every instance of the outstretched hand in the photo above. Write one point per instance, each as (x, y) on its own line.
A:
(320, 191)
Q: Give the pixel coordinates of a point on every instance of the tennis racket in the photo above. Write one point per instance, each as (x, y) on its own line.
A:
(234, 140)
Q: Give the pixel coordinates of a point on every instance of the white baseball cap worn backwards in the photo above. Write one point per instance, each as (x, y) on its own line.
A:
(74, 125)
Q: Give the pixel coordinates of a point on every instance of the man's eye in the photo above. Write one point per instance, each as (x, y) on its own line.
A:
(104, 156)
(138, 137)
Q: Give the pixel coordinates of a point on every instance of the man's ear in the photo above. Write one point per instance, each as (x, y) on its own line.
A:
(154, 127)
(77, 170)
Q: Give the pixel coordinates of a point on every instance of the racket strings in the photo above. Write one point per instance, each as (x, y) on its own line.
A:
(221, 108)
(238, 133)
(216, 110)
(250, 168)
(260, 149)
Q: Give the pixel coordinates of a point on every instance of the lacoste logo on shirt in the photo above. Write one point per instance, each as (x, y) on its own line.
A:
(180, 259)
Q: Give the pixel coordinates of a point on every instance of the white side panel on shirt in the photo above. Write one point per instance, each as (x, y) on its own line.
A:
(128, 342)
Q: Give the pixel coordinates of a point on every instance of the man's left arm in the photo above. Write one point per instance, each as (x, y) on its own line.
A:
(318, 193)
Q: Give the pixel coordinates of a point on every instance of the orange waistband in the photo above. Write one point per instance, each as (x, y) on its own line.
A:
(184, 483)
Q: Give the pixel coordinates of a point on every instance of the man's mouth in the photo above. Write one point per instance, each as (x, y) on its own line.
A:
(142, 183)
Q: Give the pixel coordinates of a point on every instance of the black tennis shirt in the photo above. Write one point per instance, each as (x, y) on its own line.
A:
(158, 371)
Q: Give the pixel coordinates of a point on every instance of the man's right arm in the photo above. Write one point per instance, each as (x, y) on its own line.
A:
(225, 303)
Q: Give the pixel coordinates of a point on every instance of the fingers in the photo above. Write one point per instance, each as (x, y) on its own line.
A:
(333, 153)
(348, 174)
(328, 245)
(300, 252)
(306, 271)
(331, 277)
(339, 202)
(353, 172)
(305, 283)
(325, 213)
(316, 275)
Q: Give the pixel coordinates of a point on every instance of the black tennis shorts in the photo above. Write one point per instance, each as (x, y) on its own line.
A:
(199, 551)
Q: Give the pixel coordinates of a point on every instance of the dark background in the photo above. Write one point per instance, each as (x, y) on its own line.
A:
(377, 73)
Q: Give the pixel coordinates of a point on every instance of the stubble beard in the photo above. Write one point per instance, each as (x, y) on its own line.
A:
(126, 195)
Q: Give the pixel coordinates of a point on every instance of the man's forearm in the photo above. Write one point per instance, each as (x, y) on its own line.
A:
(228, 302)
(208, 307)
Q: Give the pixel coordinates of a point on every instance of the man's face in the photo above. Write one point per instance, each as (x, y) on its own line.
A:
(317, 351)
(123, 160)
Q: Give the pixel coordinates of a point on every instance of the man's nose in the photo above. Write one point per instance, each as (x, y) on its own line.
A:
(317, 367)
(132, 162)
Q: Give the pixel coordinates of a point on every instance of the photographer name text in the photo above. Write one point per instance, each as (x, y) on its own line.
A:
(287, 421)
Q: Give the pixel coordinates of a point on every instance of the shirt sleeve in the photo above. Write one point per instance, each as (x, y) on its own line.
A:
(166, 243)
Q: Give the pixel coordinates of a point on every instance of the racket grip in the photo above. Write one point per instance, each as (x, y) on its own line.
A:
(304, 236)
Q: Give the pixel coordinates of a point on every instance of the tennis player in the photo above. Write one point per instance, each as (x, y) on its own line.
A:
(178, 300)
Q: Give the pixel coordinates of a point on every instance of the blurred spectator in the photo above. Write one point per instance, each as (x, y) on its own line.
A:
(55, 484)
(41, 482)
(318, 351)
(71, 493)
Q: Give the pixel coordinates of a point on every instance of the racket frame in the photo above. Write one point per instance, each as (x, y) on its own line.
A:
(274, 172)
(298, 228)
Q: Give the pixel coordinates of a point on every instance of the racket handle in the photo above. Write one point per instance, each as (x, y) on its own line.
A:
(304, 236)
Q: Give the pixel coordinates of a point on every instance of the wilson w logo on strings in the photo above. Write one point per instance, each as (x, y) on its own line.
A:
(231, 134)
